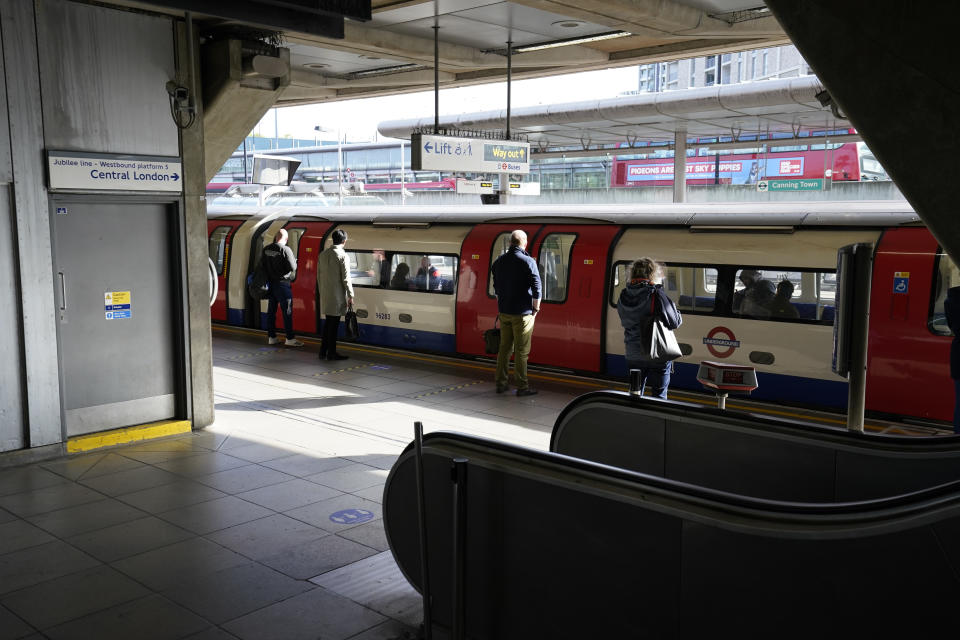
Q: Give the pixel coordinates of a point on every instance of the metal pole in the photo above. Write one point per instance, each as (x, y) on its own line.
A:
(403, 189)
(459, 476)
(636, 382)
(339, 169)
(245, 179)
(860, 324)
(422, 512)
(509, 77)
(680, 166)
(436, 77)
(721, 401)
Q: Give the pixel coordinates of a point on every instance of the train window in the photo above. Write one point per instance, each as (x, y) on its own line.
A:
(554, 266)
(218, 247)
(365, 267)
(426, 273)
(500, 246)
(946, 276)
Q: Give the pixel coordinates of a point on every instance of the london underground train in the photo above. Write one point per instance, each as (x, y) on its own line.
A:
(584, 253)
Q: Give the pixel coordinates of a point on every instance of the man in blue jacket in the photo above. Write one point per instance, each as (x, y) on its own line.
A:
(516, 281)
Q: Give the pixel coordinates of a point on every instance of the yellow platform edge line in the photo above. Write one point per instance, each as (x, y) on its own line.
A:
(112, 438)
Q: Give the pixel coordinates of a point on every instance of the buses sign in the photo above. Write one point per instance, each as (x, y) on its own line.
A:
(443, 153)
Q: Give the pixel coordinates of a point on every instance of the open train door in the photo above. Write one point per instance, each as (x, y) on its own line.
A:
(476, 303)
(569, 329)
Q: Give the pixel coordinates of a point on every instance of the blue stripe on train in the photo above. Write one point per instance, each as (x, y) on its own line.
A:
(771, 386)
(235, 316)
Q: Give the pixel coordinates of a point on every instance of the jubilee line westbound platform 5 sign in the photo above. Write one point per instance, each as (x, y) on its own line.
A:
(443, 153)
(107, 172)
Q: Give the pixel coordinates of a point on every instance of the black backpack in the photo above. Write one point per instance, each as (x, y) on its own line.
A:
(257, 282)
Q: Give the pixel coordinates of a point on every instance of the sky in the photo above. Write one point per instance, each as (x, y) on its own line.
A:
(358, 119)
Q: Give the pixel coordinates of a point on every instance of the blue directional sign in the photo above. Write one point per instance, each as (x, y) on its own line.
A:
(112, 172)
(351, 516)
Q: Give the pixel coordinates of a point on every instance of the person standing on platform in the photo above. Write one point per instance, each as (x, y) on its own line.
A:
(336, 292)
(638, 301)
(516, 281)
(951, 307)
(281, 267)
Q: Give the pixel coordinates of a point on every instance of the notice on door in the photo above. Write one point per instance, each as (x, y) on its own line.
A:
(78, 170)
(116, 305)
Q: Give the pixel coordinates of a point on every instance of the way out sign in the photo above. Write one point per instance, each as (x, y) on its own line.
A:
(444, 153)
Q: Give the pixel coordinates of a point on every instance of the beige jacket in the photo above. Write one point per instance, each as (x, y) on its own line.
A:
(333, 279)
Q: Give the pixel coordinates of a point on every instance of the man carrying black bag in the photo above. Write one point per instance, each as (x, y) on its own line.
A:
(641, 304)
(280, 266)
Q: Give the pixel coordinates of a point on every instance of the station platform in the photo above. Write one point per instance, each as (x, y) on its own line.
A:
(268, 523)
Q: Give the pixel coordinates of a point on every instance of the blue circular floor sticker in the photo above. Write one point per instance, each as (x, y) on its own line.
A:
(351, 516)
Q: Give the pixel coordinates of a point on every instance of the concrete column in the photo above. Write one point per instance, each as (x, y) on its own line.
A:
(196, 256)
(890, 71)
(680, 166)
(31, 224)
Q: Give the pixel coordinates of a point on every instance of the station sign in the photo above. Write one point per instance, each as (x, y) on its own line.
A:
(815, 184)
(443, 153)
(110, 172)
(474, 186)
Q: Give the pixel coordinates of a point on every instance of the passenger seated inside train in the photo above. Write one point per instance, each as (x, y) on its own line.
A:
(754, 299)
(401, 277)
(428, 278)
(780, 306)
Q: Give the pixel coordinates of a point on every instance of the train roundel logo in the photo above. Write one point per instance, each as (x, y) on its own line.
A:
(721, 337)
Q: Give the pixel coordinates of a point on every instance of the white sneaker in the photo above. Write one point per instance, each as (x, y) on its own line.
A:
(293, 342)
(273, 340)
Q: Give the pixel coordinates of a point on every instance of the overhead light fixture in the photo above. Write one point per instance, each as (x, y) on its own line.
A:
(316, 65)
(567, 24)
(386, 70)
(566, 42)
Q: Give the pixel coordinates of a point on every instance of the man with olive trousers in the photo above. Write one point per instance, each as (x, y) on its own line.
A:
(516, 281)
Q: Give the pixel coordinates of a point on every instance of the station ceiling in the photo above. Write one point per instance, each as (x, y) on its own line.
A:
(357, 48)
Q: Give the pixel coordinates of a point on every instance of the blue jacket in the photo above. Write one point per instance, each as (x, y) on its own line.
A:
(516, 280)
(951, 308)
(634, 309)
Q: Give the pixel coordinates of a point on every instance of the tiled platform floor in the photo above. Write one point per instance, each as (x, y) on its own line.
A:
(266, 525)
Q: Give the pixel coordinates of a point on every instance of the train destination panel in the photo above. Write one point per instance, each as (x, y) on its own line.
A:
(74, 170)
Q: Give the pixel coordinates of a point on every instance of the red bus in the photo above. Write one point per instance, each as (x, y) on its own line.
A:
(767, 160)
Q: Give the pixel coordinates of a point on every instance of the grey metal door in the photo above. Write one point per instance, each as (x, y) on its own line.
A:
(117, 314)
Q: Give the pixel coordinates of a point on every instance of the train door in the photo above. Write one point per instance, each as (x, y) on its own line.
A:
(908, 366)
(239, 264)
(305, 239)
(220, 234)
(476, 303)
(572, 261)
(258, 316)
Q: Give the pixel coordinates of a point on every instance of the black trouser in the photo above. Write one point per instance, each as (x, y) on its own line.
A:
(328, 345)
(280, 296)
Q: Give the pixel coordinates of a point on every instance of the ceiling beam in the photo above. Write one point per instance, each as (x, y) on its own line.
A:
(301, 78)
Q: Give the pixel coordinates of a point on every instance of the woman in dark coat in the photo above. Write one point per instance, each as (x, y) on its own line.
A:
(951, 308)
(641, 297)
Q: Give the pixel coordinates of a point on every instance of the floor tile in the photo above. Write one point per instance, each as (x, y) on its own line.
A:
(212, 633)
(350, 478)
(310, 615)
(214, 515)
(313, 558)
(289, 495)
(150, 618)
(370, 534)
(389, 630)
(338, 514)
(19, 534)
(166, 497)
(6, 516)
(85, 517)
(116, 484)
(21, 479)
(129, 539)
(75, 595)
(49, 498)
(258, 452)
(267, 536)
(243, 479)
(74, 466)
(234, 592)
(377, 583)
(305, 465)
(162, 568)
(41, 563)
(12, 627)
(111, 463)
(202, 464)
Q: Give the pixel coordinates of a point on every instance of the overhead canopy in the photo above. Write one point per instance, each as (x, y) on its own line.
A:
(739, 111)
(387, 46)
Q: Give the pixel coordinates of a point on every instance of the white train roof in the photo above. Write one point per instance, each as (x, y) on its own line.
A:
(752, 214)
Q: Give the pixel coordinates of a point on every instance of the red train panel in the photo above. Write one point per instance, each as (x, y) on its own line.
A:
(908, 367)
(305, 316)
(218, 311)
